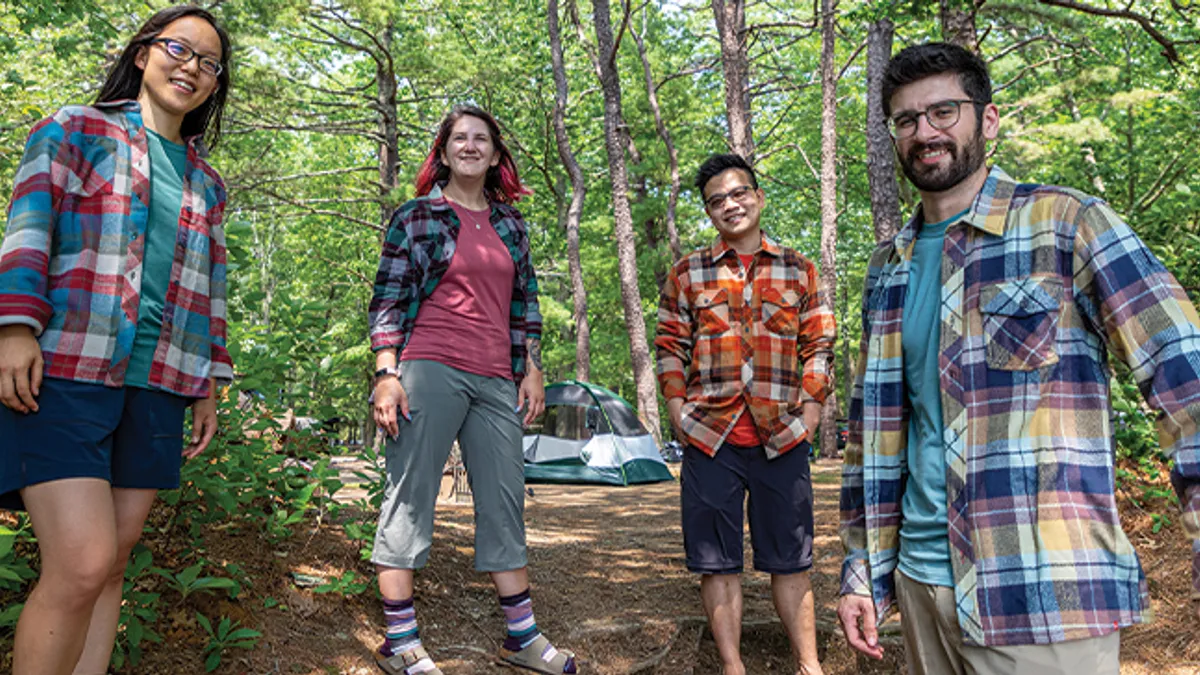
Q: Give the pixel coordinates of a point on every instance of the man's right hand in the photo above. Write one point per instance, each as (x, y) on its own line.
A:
(20, 368)
(675, 415)
(389, 397)
(856, 613)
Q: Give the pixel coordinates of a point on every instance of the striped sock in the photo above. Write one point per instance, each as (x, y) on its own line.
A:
(518, 613)
(523, 630)
(402, 633)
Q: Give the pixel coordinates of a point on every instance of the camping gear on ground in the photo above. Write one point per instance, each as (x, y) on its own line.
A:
(588, 434)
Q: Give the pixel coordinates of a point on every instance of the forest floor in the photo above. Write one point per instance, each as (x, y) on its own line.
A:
(609, 583)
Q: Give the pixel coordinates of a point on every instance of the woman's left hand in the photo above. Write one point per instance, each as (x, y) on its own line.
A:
(204, 424)
(533, 392)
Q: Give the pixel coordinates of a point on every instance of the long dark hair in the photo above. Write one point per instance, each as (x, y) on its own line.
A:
(125, 79)
(502, 183)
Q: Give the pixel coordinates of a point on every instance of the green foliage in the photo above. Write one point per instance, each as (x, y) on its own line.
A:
(14, 572)
(349, 583)
(224, 637)
(1086, 102)
(189, 581)
(139, 611)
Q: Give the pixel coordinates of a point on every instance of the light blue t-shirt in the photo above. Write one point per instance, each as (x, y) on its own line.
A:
(924, 543)
(168, 161)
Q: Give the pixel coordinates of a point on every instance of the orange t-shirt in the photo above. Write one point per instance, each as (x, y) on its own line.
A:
(744, 433)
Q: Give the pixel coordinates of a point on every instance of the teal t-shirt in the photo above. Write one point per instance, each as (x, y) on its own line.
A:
(924, 543)
(168, 161)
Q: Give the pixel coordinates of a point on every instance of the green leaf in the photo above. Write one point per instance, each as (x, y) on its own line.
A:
(243, 633)
(9, 616)
(213, 660)
(134, 632)
(204, 623)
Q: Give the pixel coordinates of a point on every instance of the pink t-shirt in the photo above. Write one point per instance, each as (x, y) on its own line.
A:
(464, 324)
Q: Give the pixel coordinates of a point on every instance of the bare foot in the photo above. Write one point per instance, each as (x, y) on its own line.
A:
(810, 669)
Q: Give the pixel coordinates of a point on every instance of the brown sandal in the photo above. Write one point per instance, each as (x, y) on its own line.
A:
(533, 658)
(398, 664)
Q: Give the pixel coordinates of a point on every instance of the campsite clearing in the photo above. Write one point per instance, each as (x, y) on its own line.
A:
(609, 583)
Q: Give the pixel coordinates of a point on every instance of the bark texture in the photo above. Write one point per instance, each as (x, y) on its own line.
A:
(631, 298)
(672, 154)
(829, 78)
(958, 23)
(583, 358)
(881, 156)
(730, 16)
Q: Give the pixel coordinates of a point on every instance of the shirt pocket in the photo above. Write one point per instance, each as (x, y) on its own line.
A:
(91, 175)
(781, 311)
(1020, 319)
(712, 312)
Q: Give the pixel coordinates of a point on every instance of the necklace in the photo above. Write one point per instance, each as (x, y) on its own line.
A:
(471, 216)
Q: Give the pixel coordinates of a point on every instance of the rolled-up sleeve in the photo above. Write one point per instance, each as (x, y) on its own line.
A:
(673, 338)
(394, 288)
(818, 335)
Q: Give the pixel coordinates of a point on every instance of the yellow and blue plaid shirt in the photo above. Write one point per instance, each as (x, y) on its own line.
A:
(1040, 285)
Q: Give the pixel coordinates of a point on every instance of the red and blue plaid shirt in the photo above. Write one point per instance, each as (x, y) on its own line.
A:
(71, 261)
(735, 341)
(1040, 286)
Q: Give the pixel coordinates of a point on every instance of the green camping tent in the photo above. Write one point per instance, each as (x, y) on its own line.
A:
(588, 434)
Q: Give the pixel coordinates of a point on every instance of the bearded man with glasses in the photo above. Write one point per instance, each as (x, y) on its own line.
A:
(745, 348)
(977, 489)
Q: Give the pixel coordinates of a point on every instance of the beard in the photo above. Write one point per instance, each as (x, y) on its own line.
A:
(964, 161)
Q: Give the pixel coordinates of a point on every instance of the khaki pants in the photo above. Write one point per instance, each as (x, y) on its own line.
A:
(933, 643)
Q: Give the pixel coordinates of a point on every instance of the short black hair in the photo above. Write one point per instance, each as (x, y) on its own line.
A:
(934, 58)
(716, 164)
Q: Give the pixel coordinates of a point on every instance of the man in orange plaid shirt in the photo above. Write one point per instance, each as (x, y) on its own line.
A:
(745, 348)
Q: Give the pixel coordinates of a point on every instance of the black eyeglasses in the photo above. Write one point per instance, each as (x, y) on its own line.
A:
(738, 194)
(941, 116)
(183, 53)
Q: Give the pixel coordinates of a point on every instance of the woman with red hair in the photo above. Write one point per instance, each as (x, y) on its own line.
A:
(456, 331)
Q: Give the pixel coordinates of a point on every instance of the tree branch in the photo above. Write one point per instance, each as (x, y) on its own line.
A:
(1146, 23)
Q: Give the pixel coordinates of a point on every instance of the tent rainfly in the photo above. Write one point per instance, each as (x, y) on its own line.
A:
(588, 434)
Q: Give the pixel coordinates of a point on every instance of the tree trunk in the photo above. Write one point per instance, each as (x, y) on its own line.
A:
(389, 153)
(881, 156)
(829, 78)
(730, 16)
(631, 298)
(672, 154)
(583, 337)
(958, 23)
(389, 157)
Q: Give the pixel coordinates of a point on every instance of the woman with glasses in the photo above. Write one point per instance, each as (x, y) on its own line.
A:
(112, 324)
(456, 331)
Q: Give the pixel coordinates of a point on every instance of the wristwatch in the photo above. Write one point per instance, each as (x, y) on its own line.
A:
(390, 370)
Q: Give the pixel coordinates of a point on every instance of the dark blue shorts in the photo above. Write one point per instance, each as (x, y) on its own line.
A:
(130, 437)
(713, 490)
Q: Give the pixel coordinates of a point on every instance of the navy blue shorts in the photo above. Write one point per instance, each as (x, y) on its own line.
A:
(713, 490)
(130, 437)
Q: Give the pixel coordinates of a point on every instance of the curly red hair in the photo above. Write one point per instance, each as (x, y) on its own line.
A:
(502, 184)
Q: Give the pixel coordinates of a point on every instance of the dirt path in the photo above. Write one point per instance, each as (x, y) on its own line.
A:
(609, 582)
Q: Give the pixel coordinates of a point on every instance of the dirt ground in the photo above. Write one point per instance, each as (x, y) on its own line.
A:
(608, 582)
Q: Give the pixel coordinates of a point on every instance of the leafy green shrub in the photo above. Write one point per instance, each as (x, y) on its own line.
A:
(224, 637)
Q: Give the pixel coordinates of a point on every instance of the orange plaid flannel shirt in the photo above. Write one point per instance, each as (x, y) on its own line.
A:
(732, 340)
